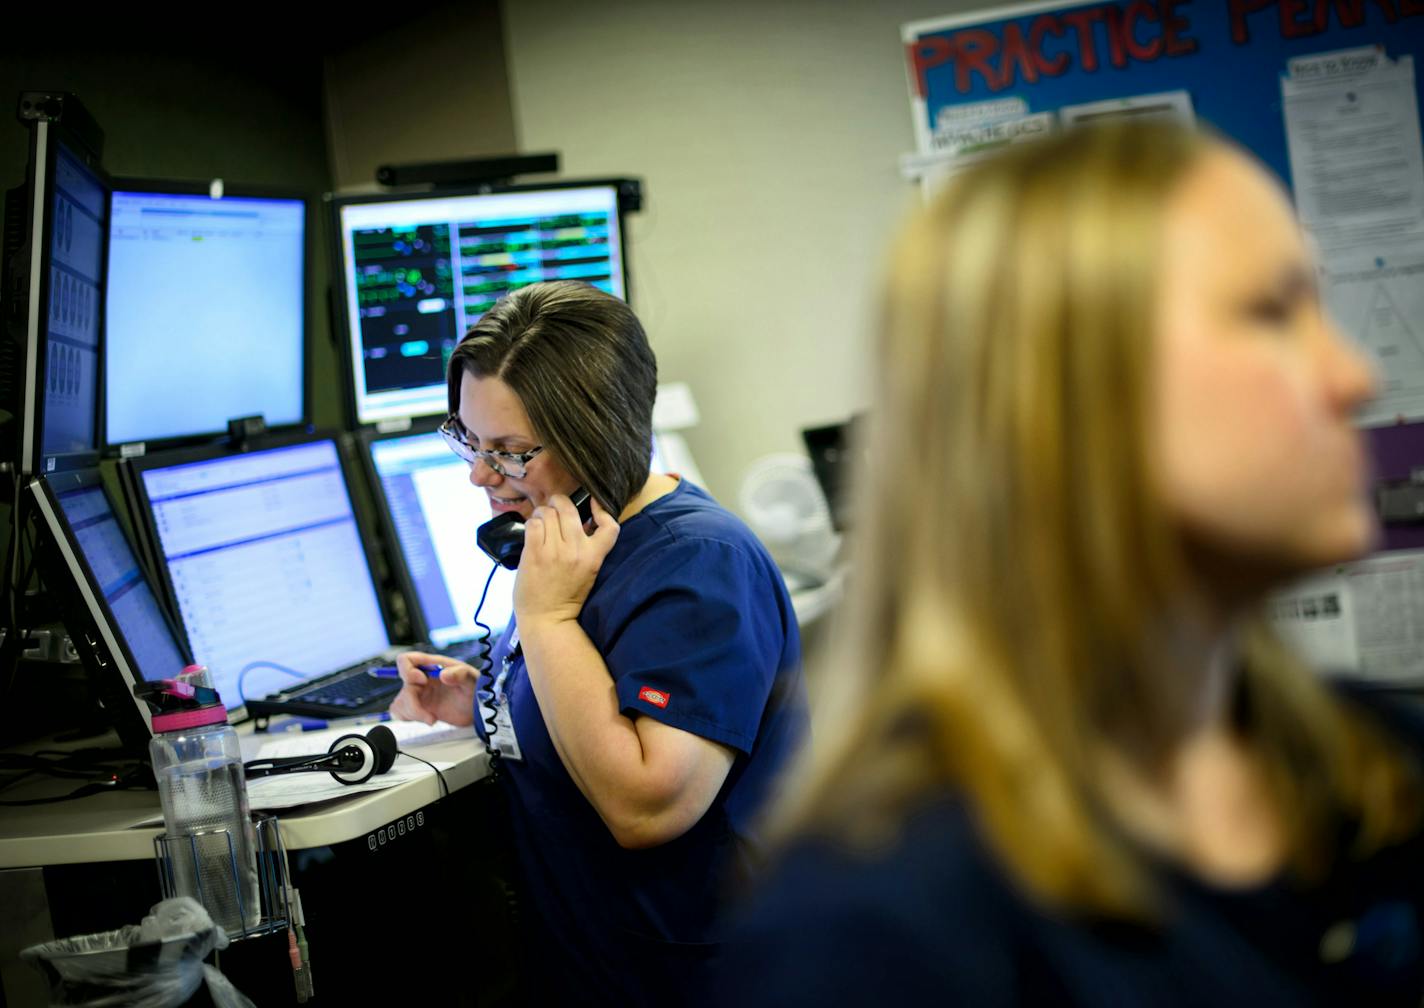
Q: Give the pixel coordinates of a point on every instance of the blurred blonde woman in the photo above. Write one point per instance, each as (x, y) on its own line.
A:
(1063, 760)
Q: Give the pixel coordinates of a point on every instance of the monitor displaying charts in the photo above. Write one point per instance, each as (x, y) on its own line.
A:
(417, 271)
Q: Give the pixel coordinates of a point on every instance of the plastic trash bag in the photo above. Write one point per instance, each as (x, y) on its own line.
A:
(155, 964)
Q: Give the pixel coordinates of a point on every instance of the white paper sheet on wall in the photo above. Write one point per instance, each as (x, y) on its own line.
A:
(1363, 619)
(1173, 106)
(969, 141)
(1352, 129)
(1376, 293)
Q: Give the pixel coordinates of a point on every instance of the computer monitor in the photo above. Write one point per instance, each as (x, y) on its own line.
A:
(54, 265)
(430, 511)
(206, 309)
(264, 560)
(832, 450)
(113, 616)
(416, 271)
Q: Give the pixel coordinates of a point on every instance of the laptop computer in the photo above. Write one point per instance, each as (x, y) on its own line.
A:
(430, 511)
(265, 562)
(114, 618)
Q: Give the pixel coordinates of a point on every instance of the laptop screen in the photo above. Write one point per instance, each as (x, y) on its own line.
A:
(267, 566)
(434, 512)
(125, 589)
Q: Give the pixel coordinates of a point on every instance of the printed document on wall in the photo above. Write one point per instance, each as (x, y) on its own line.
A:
(1352, 129)
(1364, 619)
(1376, 294)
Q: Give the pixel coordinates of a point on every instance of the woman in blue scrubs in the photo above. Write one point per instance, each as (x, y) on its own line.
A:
(649, 687)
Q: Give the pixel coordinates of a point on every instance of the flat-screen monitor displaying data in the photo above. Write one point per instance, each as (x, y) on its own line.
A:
(107, 597)
(53, 261)
(432, 512)
(206, 310)
(417, 271)
(265, 562)
(78, 211)
(126, 591)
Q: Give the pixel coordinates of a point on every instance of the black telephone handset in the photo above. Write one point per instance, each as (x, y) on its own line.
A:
(502, 537)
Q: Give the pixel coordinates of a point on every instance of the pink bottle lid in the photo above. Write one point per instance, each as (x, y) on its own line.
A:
(199, 717)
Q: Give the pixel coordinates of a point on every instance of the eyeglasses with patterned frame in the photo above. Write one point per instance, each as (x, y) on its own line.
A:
(512, 464)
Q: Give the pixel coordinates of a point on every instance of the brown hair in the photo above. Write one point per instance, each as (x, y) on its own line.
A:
(1006, 619)
(580, 363)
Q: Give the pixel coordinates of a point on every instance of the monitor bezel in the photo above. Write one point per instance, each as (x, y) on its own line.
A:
(110, 663)
(143, 545)
(340, 316)
(207, 453)
(199, 187)
(44, 145)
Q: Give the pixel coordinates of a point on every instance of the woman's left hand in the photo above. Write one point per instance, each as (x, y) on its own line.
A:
(559, 562)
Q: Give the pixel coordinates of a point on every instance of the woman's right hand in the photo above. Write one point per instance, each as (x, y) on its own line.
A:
(450, 698)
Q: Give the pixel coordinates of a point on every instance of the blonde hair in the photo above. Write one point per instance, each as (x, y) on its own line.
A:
(1011, 591)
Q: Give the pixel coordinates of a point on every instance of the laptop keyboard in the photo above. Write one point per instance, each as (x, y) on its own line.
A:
(351, 691)
(356, 690)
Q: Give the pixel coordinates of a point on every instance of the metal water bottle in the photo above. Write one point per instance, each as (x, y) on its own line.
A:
(198, 764)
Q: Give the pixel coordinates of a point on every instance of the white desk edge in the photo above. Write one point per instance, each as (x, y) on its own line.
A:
(97, 829)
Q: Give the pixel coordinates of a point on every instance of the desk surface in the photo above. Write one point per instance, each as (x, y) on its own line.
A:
(100, 828)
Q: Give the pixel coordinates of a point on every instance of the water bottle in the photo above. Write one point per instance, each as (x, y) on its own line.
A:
(198, 764)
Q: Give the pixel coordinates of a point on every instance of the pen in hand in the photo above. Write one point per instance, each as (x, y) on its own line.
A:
(390, 672)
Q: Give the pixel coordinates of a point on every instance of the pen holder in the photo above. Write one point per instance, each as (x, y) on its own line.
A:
(222, 885)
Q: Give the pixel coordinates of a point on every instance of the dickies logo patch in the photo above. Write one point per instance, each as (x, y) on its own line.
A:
(655, 697)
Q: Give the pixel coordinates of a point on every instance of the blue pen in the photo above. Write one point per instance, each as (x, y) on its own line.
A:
(389, 671)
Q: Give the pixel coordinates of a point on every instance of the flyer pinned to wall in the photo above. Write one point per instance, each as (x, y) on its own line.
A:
(1352, 130)
(970, 135)
(1352, 126)
(1375, 292)
(1364, 620)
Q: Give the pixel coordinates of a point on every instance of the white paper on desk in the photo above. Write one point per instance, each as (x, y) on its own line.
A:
(1375, 292)
(290, 790)
(1356, 163)
(409, 734)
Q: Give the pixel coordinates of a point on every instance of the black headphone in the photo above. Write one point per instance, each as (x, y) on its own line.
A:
(351, 759)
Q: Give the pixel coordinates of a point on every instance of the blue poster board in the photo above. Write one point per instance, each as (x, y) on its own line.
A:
(1229, 55)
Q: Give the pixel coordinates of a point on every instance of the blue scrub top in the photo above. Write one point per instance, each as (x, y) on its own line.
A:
(693, 620)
